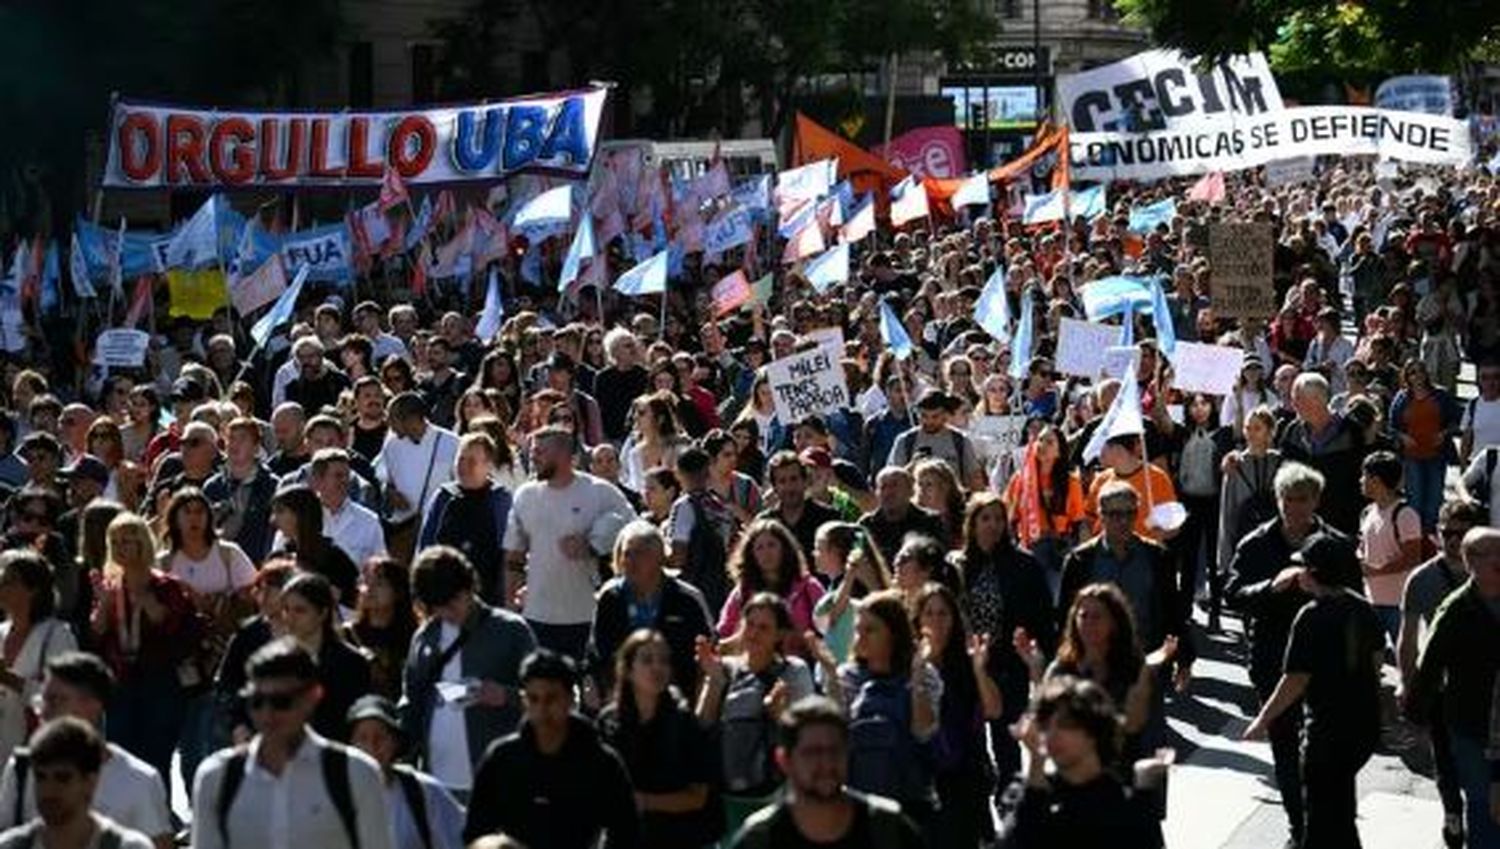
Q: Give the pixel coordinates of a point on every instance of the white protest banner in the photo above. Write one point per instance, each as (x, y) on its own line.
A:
(157, 146)
(1081, 346)
(1429, 93)
(808, 383)
(324, 250)
(1234, 143)
(993, 436)
(122, 348)
(1119, 361)
(830, 339)
(1160, 88)
(1285, 172)
(1206, 368)
(1240, 255)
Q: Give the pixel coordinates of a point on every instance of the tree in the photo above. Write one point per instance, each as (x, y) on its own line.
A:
(1376, 36)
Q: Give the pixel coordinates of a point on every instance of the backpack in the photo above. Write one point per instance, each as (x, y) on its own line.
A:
(1481, 489)
(884, 758)
(708, 549)
(416, 801)
(747, 734)
(334, 758)
(1256, 510)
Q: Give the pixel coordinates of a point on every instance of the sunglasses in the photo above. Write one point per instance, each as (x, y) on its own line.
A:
(274, 701)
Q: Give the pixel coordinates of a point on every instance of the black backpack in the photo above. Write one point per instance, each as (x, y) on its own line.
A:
(416, 801)
(708, 549)
(1259, 508)
(334, 758)
(1481, 490)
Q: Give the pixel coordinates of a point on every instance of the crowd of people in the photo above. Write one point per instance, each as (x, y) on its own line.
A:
(579, 583)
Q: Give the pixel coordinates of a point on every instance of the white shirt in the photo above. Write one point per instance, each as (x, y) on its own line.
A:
(447, 735)
(386, 345)
(129, 792)
(226, 568)
(46, 639)
(292, 810)
(559, 589)
(1474, 479)
(1483, 417)
(356, 529)
(445, 816)
(417, 469)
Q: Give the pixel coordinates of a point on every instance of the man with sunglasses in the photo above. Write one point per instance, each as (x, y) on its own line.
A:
(289, 787)
(129, 791)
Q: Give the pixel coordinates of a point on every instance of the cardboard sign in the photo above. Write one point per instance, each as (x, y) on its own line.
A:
(1081, 346)
(1241, 255)
(122, 348)
(1120, 361)
(830, 339)
(1206, 368)
(993, 436)
(806, 384)
(1285, 172)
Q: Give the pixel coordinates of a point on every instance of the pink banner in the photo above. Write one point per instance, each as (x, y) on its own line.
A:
(926, 152)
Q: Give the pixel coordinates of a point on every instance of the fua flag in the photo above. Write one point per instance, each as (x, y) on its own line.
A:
(648, 278)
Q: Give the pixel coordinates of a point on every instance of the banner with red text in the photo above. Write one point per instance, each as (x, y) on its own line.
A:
(153, 146)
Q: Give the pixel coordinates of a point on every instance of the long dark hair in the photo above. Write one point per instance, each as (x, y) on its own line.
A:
(746, 571)
(1057, 503)
(624, 694)
(1125, 656)
(193, 495)
(318, 592)
(403, 613)
(889, 606)
(957, 671)
(304, 504)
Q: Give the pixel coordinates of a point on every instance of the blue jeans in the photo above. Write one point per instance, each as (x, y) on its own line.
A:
(1390, 620)
(1474, 777)
(201, 735)
(1424, 489)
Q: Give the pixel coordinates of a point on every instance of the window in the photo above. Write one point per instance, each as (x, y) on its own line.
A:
(1008, 8)
(361, 74)
(423, 78)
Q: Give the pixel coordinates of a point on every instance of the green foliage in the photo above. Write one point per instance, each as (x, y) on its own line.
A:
(1349, 37)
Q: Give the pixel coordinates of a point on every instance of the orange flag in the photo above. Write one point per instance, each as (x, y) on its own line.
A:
(863, 169)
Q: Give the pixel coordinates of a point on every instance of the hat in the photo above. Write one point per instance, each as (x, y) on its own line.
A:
(375, 707)
(40, 439)
(937, 399)
(1252, 361)
(818, 458)
(88, 467)
(558, 361)
(1327, 558)
(187, 389)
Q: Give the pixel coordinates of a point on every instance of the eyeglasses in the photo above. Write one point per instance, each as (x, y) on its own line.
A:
(274, 701)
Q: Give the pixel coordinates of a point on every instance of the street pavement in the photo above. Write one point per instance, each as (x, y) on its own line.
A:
(1222, 792)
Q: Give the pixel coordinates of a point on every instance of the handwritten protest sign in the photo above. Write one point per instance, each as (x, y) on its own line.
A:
(1206, 368)
(1119, 361)
(1081, 346)
(1241, 256)
(808, 383)
(994, 436)
(830, 339)
(122, 348)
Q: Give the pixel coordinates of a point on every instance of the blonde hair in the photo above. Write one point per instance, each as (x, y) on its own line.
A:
(128, 526)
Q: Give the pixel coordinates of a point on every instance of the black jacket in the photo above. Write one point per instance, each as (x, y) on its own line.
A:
(1166, 617)
(254, 533)
(344, 672)
(1268, 614)
(560, 801)
(682, 618)
(1339, 460)
(1024, 602)
(1457, 669)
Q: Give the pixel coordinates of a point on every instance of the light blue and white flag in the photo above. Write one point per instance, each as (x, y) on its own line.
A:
(808, 182)
(992, 310)
(1087, 204)
(1020, 341)
(893, 333)
(493, 314)
(581, 249)
(1123, 417)
(546, 214)
(647, 278)
(1111, 296)
(1144, 219)
(196, 243)
(753, 194)
(830, 268)
(281, 312)
(419, 225)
